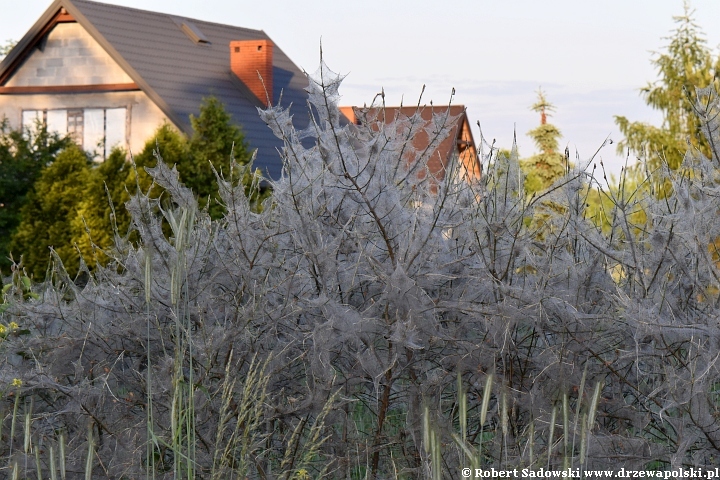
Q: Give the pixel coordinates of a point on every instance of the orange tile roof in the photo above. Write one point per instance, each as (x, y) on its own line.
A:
(460, 141)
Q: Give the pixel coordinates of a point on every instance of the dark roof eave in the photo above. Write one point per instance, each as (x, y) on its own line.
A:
(29, 39)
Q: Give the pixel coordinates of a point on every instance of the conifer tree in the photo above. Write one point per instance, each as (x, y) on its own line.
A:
(22, 157)
(94, 224)
(686, 64)
(214, 140)
(83, 223)
(171, 145)
(542, 169)
(48, 215)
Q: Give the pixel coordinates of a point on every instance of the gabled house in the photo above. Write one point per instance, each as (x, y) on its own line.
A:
(458, 145)
(110, 75)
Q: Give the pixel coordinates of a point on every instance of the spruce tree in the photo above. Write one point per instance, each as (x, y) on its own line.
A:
(169, 144)
(215, 138)
(686, 64)
(172, 146)
(542, 169)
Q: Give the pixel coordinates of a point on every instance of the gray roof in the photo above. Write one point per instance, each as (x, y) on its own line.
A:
(176, 73)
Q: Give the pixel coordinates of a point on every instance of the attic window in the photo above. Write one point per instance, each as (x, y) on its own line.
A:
(194, 33)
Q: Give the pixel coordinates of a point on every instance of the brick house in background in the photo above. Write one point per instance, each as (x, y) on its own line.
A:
(111, 75)
(459, 144)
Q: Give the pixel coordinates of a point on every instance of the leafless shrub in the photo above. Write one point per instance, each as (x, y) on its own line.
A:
(365, 308)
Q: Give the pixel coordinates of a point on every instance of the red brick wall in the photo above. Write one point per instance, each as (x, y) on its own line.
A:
(248, 58)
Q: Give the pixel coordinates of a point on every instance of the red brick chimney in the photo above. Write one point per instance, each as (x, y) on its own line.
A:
(248, 58)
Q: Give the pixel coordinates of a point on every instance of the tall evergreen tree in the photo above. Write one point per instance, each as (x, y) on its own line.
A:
(214, 140)
(167, 142)
(686, 64)
(543, 168)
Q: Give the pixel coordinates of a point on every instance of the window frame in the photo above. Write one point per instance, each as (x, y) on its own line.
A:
(79, 139)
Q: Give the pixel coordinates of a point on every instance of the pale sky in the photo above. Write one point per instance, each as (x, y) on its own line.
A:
(590, 57)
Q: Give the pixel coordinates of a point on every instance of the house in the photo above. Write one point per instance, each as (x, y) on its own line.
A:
(110, 75)
(459, 144)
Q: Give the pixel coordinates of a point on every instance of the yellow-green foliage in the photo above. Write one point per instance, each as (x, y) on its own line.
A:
(22, 157)
(686, 64)
(609, 206)
(69, 210)
(47, 218)
(78, 207)
(542, 169)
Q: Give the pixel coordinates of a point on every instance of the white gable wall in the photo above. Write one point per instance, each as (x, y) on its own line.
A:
(70, 57)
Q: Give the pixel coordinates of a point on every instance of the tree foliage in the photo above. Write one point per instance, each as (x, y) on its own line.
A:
(167, 143)
(23, 155)
(343, 332)
(686, 64)
(49, 216)
(100, 215)
(93, 211)
(215, 140)
(6, 47)
(544, 168)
